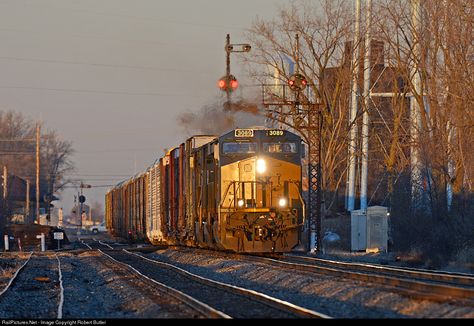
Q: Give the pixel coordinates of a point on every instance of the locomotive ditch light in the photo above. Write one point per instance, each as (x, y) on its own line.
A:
(240, 202)
(261, 165)
(282, 202)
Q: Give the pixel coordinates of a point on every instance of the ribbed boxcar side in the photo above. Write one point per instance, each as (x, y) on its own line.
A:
(174, 192)
(189, 191)
(164, 203)
(140, 207)
(181, 196)
(117, 210)
(168, 197)
(108, 209)
(128, 193)
(154, 204)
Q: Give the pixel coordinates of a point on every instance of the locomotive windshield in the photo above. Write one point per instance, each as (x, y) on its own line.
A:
(239, 147)
(280, 147)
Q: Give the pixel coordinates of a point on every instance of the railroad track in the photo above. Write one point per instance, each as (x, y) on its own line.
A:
(423, 284)
(419, 284)
(38, 284)
(441, 277)
(93, 243)
(36, 291)
(203, 310)
(231, 300)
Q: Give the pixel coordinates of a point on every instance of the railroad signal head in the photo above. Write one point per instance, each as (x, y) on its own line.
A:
(297, 82)
(228, 83)
(222, 84)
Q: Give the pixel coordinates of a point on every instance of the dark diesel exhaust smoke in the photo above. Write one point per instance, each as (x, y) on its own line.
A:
(242, 106)
(216, 119)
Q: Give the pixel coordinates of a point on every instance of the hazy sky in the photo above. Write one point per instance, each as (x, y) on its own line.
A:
(113, 76)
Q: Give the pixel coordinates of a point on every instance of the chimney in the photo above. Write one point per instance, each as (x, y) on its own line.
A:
(377, 54)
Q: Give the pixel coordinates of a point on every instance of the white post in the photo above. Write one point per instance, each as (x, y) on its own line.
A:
(415, 114)
(365, 117)
(43, 245)
(60, 217)
(7, 244)
(353, 111)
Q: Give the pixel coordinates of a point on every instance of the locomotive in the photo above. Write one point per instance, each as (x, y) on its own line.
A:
(241, 192)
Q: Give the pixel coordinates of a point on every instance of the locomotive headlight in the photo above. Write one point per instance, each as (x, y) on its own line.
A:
(240, 202)
(282, 202)
(261, 165)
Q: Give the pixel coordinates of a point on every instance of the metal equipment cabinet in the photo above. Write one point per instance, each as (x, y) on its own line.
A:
(369, 229)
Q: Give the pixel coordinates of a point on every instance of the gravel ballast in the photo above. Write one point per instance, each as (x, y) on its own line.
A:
(339, 298)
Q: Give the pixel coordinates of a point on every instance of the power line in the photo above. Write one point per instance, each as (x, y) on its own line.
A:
(201, 48)
(104, 65)
(160, 20)
(96, 92)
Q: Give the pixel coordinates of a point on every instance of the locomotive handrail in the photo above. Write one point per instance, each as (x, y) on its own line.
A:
(303, 206)
(226, 192)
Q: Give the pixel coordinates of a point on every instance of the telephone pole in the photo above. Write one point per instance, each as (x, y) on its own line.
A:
(37, 172)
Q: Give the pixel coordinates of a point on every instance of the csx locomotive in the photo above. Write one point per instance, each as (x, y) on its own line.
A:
(239, 192)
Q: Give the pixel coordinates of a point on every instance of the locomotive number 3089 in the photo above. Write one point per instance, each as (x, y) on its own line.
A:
(275, 133)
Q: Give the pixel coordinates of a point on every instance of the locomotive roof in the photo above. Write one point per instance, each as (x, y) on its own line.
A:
(257, 132)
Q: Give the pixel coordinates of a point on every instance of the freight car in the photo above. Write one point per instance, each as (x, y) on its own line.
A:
(239, 192)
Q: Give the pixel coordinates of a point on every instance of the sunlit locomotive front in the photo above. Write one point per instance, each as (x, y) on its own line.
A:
(260, 203)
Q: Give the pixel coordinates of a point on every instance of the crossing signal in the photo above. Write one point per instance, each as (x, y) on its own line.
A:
(297, 82)
(228, 83)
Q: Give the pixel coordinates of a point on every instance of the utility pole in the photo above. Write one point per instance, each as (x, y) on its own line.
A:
(38, 172)
(353, 111)
(415, 110)
(82, 199)
(228, 48)
(27, 208)
(5, 182)
(365, 115)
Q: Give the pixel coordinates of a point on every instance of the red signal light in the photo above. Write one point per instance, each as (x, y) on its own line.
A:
(221, 83)
(228, 83)
(297, 82)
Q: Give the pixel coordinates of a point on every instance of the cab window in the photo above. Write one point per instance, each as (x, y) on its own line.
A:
(280, 147)
(236, 147)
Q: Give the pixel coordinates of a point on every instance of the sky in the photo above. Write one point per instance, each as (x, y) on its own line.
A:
(113, 77)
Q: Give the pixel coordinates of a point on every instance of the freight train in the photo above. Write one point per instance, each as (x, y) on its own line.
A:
(241, 192)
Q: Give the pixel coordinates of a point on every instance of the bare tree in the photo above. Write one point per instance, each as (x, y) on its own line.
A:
(442, 50)
(56, 158)
(439, 46)
(323, 29)
(18, 144)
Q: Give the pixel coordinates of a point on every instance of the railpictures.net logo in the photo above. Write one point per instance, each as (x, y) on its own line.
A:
(12, 322)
